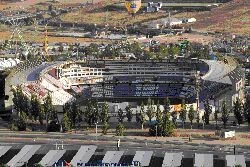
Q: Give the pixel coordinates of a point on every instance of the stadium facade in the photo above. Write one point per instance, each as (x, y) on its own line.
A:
(118, 81)
(134, 81)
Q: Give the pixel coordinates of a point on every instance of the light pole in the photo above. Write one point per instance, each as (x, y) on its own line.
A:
(156, 131)
(77, 48)
(96, 130)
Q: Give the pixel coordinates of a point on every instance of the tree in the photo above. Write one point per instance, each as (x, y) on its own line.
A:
(183, 113)
(88, 113)
(66, 123)
(216, 117)
(20, 101)
(105, 128)
(53, 49)
(167, 105)
(225, 113)
(198, 118)
(238, 111)
(22, 121)
(129, 113)
(120, 115)
(105, 118)
(120, 129)
(208, 111)
(76, 113)
(95, 112)
(137, 116)
(150, 112)
(167, 126)
(162, 52)
(49, 110)
(158, 112)
(60, 49)
(191, 115)
(72, 114)
(159, 119)
(174, 117)
(247, 109)
(105, 111)
(35, 106)
(174, 50)
(142, 116)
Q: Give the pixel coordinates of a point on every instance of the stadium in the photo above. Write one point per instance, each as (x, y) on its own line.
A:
(131, 81)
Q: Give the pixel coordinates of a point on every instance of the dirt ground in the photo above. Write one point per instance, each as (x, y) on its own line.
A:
(29, 3)
(40, 38)
(242, 138)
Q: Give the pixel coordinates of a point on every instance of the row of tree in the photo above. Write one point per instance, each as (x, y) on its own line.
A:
(35, 111)
(155, 51)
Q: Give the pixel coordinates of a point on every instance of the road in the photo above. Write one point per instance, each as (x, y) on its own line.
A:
(73, 142)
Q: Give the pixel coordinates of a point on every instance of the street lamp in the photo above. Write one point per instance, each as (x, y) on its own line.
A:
(156, 131)
(96, 130)
(77, 49)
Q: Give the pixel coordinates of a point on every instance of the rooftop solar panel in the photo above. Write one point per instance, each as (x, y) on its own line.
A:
(232, 160)
(240, 160)
(172, 159)
(52, 157)
(112, 157)
(203, 160)
(4, 149)
(83, 155)
(23, 156)
(143, 157)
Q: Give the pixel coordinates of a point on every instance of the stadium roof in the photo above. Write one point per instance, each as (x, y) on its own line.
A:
(218, 72)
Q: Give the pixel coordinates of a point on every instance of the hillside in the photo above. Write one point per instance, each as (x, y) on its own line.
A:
(100, 14)
(232, 17)
(187, 1)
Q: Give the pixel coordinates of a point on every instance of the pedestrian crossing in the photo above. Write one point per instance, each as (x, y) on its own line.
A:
(89, 155)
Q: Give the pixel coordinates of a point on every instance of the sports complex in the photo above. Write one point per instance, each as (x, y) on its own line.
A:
(118, 81)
